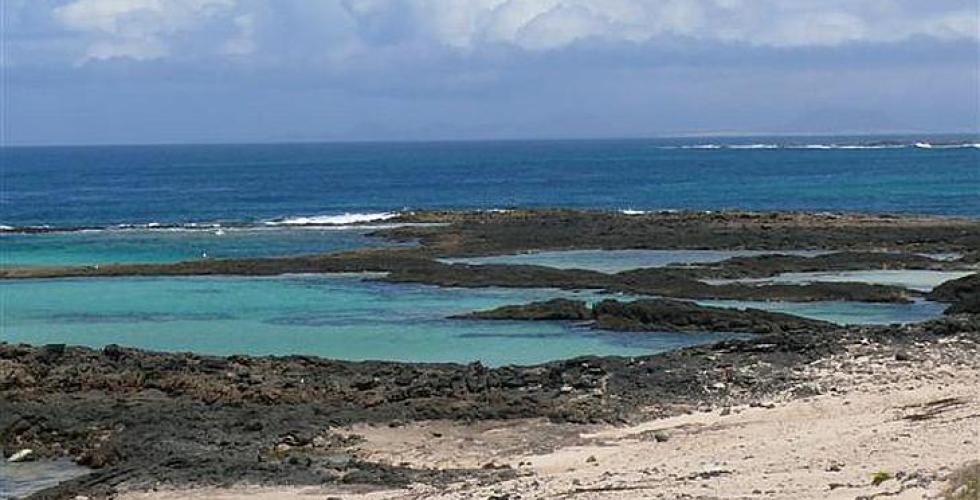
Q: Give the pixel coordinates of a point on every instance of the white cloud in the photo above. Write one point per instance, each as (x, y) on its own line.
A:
(243, 43)
(150, 29)
(138, 29)
(552, 24)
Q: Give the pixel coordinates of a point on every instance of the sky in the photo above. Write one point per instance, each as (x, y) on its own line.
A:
(200, 71)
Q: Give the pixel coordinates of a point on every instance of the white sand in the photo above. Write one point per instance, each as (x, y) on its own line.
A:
(827, 446)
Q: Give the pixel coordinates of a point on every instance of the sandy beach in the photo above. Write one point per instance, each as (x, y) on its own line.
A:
(489, 250)
(792, 408)
(912, 423)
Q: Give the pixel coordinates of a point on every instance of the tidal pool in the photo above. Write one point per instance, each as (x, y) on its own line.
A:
(845, 313)
(83, 248)
(614, 261)
(336, 316)
(25, 478)
(921, 280)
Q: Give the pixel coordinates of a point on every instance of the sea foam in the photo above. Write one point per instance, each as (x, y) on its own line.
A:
(831, 146)
(334, 220)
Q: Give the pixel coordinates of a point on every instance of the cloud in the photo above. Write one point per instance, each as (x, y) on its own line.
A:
(542, 25)
(137, 29)
(227, 70)
(154, 29)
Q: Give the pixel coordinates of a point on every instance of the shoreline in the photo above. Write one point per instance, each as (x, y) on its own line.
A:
(916, 423)
(858, 242)
(281, 420)
(146, 421)
(394, 218)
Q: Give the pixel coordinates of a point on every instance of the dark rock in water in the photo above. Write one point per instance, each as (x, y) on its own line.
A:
(760, 266)
(657, 315)
(680, 316)
(955, 290)
(971, 257)
(969, 304)
(555, 309)
(476, 233)
(963, 293)
(486, 233)
(148, 419)
(676, 283)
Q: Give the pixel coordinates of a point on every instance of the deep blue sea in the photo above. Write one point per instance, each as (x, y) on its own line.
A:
(176, 203)
(94, 186)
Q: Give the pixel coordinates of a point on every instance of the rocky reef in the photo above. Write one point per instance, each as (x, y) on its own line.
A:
(764, 266)
(963, 294)
(660, 315)
(869, 242)
(142, 419)
(486, 233)
(548, 310)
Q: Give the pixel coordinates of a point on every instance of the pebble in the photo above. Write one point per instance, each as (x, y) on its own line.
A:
(24, 455)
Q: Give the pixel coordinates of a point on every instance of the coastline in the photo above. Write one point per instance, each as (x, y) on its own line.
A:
(914, 422)
(859, 242)
(174, 423)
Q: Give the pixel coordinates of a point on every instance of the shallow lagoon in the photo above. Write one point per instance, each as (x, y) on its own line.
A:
(614, 261)
(340, 316)
(921, 280)
(336, 316)
(844, 313)
(78, 248)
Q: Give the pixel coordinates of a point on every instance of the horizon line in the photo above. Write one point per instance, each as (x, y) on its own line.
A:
(678, 135)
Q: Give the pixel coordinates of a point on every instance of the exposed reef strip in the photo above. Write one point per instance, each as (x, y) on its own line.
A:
(658, 315)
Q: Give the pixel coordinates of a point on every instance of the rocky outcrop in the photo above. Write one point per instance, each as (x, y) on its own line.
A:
(955, 290)
(967, 305)
(484, 233)
(153, 419)
(658, 315)
(680, 316)
(962, 293)
(406, 266)
(555, 309)
(763, 266)
(675, 283)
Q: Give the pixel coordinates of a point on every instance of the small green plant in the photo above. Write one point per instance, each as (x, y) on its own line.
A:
(880, 477)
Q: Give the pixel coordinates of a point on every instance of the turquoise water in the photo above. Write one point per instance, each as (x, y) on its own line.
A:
(613, 261)
(22, 479)
(845, 313)
(339, 316)
(173, 245)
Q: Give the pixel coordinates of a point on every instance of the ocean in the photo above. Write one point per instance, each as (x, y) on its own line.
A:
(100, 186)
(174, 203)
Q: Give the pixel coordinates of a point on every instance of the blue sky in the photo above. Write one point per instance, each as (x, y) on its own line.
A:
(151, 71)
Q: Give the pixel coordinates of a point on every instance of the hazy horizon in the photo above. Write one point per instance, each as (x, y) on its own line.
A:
(126, 72)
(908, 136)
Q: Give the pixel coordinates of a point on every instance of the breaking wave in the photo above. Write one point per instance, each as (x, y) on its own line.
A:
(334, 220)
(831, 146)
